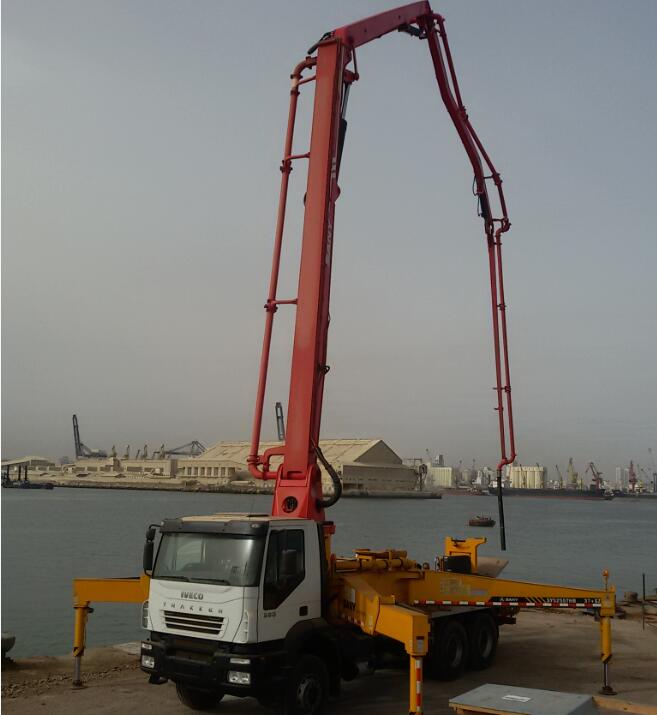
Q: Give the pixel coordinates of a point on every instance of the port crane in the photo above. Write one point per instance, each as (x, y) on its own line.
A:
(259, 604)
(643, 485)
(596, 476)
(280, 422)
(556, 466)
(653, 467)
(81, 449)
(573, 476)
(632, 480)
(191, 449)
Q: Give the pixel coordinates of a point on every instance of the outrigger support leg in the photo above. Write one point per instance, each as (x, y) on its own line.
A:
(606, 612)
(416, 680)
(102, 590)
(378, 614)
(79, 640)
(605, 639)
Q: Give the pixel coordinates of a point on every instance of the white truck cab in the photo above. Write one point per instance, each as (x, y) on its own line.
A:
(235, 606)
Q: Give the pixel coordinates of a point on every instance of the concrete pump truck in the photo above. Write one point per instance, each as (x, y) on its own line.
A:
(259, 605)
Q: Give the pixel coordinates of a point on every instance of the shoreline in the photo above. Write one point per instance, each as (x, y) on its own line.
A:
(145, 482)
(176, 485)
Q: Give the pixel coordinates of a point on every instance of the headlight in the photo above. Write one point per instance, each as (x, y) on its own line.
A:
(148, 661)
(240, 661)
(236, 677)
(146, 646)
(144, 615)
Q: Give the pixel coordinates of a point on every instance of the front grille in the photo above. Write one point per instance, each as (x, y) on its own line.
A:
(194, 622)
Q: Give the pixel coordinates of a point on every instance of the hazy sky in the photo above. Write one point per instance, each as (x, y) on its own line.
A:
(141, 143)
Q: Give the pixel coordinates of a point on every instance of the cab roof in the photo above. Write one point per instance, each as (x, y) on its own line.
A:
(238, 516)
(242, 524)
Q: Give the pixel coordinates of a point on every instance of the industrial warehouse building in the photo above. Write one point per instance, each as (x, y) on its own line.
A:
(32, 462)
(531, 477)
(363, 464)
(443, 477)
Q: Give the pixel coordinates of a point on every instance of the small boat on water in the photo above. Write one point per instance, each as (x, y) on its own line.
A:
(482, 521)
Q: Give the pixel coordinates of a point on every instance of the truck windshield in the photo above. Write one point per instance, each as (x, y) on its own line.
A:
(210, 558)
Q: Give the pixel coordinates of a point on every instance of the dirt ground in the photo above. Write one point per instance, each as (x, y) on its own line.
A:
(553, 651)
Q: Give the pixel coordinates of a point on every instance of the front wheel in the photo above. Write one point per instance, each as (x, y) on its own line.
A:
(198, 699)
(307, 690)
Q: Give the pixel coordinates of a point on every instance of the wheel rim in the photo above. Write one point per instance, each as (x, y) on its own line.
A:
(309, 694)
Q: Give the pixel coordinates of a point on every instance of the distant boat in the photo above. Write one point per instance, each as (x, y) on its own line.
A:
(482, 521)
(25, 484)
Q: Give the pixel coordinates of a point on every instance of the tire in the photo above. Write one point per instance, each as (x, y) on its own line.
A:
(198, 699)
(449, 651)
(482, 636)
(308, 687)
(349, 670)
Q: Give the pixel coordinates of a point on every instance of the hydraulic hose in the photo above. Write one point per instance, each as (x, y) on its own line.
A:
(335, 478)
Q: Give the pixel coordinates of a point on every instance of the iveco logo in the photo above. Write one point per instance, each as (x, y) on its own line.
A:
(191, 595)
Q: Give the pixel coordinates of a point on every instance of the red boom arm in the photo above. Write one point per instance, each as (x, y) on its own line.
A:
(298, 488)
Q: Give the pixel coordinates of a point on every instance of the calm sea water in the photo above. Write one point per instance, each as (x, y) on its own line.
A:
(48, 538)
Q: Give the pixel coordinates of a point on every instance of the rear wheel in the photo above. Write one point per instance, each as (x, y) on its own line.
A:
(482, 634)
(198, 699)
(449, 650)
(308, 687)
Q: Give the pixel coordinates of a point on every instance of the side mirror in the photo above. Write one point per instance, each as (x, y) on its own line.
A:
(149, 548)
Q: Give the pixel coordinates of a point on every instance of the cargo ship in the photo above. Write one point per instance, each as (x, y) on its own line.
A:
(635, 495)
(558, 493)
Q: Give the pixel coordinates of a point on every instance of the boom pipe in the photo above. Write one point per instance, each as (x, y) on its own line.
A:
(439, 46)
(298, 490)
(253, 460)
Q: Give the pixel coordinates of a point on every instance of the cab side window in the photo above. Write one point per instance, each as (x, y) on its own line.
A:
(285, 568)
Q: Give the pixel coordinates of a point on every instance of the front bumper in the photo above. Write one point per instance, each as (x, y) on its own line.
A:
(206, 664)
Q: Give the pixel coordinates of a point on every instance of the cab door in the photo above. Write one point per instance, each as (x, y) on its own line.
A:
(291, 584)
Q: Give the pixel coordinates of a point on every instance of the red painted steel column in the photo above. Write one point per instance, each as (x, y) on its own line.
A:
(298, 487)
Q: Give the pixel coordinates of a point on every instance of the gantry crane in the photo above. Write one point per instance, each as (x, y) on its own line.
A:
(259, 605)
(191, 449)
(81, 449)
